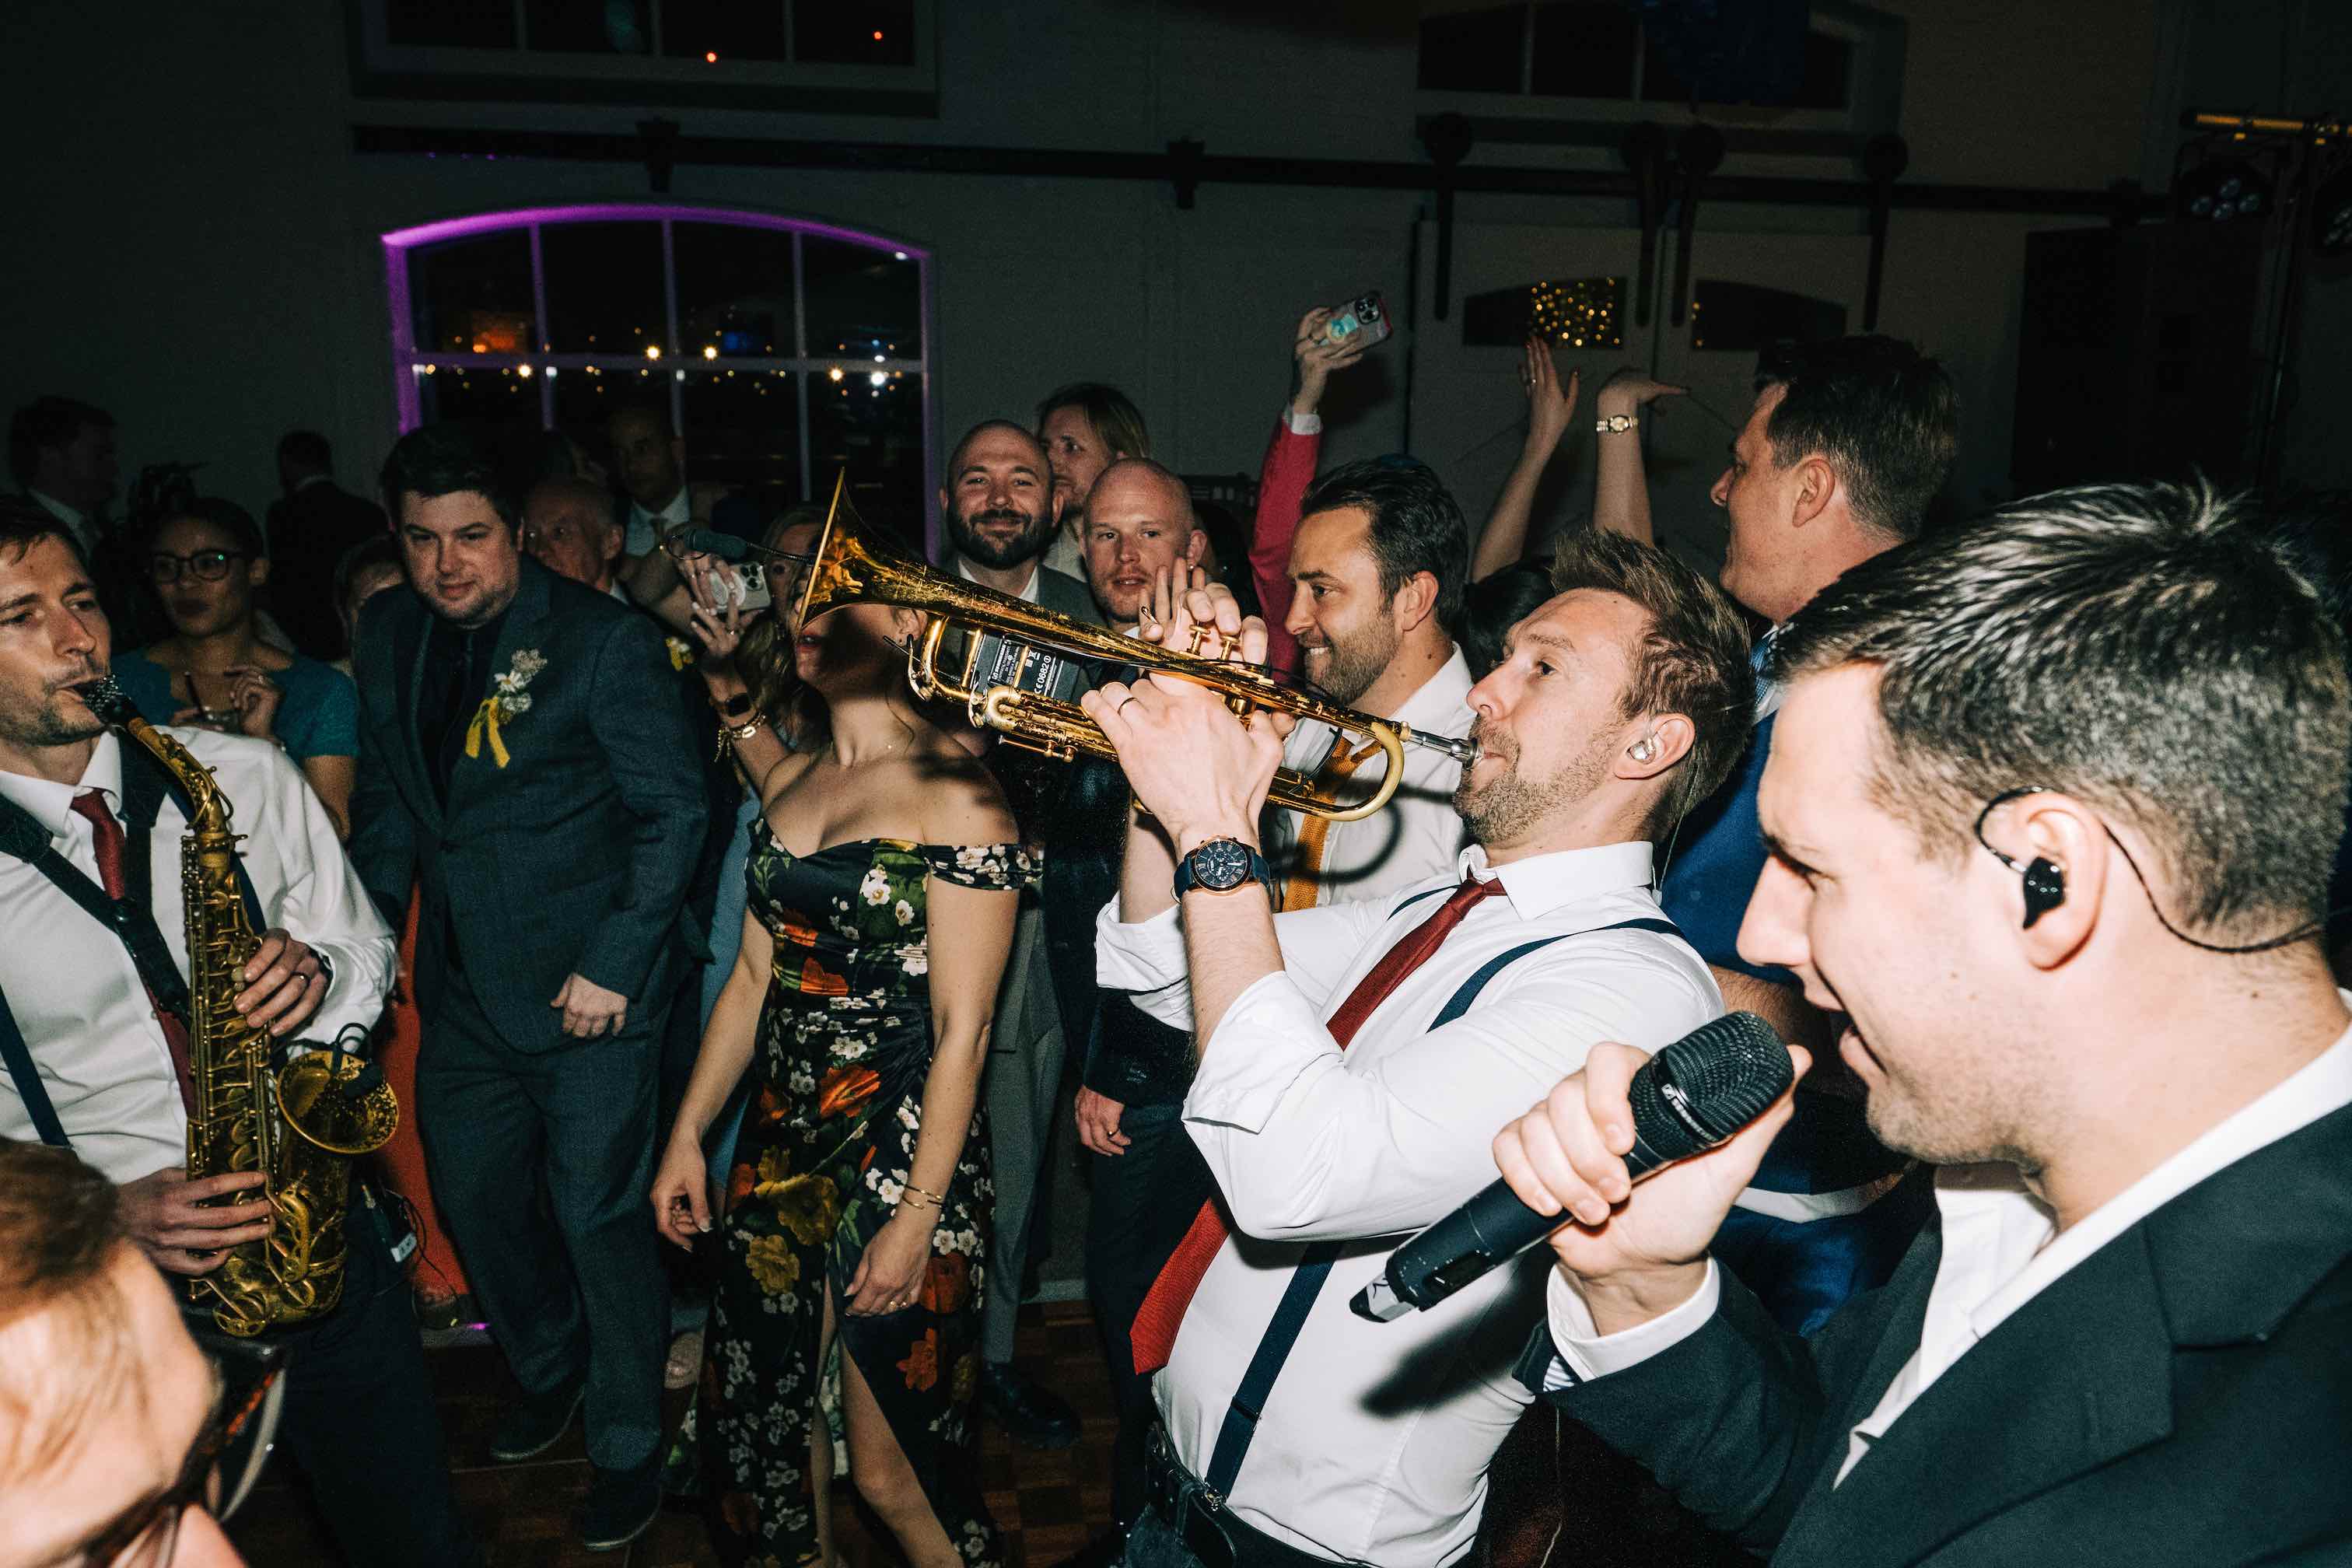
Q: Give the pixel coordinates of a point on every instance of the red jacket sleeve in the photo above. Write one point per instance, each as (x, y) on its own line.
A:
(1282, 482)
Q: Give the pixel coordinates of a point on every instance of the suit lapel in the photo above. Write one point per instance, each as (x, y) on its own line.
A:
(522, 629)
(2079, 1377)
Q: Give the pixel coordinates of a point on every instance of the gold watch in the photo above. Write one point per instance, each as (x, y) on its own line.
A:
(1611, 424)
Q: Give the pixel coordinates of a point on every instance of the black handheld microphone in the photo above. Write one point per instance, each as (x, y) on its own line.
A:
(1689, 1097)
(710, 542)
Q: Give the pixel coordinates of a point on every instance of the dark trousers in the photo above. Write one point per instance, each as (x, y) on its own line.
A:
(1143, 1201)
(542, 1162)
(359, 1422)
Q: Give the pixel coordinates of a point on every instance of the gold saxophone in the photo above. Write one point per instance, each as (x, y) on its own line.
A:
(300, 1126)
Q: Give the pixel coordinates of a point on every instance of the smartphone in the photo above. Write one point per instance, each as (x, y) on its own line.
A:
(746, 584)
(1367, 314)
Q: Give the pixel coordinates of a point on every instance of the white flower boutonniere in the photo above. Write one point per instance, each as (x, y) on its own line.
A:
(508, 701)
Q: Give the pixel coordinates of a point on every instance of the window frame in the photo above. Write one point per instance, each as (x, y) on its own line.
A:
(410, 365)
(380, 68)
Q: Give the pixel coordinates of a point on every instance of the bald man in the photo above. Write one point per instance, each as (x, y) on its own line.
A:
(571, 527)
(1139, 523)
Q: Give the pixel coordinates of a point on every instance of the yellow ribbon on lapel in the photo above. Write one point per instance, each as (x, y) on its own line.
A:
(486, 723)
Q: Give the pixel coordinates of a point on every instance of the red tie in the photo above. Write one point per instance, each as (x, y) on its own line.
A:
(1152, 1337)
(106, 833)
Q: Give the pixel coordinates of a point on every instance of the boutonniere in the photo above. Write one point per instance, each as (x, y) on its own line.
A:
(680, 655)
(507, 702)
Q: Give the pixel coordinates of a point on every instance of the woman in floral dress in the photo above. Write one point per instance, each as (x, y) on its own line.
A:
(883, 888)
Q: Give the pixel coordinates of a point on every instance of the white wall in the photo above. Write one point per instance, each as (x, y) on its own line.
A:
(194, 243)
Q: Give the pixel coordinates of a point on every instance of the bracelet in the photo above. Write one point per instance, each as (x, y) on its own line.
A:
(730, 734)
(909, 1190)
(1608, 424)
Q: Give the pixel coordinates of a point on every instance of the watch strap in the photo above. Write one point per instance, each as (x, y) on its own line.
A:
(1186, 881)
(1610, 424)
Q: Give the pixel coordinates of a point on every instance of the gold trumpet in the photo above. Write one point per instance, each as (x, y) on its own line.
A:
(1014, 665)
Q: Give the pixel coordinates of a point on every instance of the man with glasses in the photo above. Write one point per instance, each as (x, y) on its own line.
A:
(119, 1426)
(93, 1040)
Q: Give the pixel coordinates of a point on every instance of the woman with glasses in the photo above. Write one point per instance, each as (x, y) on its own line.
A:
(207, 562)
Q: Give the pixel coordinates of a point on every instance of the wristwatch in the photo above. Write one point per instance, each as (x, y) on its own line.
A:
(1219, 866)
(1611, 424)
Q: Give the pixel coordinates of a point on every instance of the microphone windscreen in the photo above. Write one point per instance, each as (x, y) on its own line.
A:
(710, 542)
(1709, 1084)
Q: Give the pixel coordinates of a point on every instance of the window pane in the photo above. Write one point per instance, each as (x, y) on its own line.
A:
(587, 27)
(495, 400)
(1585, 50)
(855, 32)
(734, 291)
(1574, 312)
(743, 429)
(877, 432)
(730, 29)
(585, 398)
(473, 296)
(450, 23)
(861, 301)
(604, 288)
(1473, 51)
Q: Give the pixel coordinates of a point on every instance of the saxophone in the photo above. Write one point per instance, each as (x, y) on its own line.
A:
(300, 1125)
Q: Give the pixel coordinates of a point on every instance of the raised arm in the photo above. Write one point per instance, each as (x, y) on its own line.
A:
(1621, 495)
(1550, 406)
(1289, 470)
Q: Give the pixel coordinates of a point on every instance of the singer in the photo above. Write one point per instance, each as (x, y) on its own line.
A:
(1355, 1058)
(2051, 825)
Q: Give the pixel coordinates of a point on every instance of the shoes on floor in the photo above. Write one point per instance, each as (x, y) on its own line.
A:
(535, 1422)
(621, 1505)
(1031, 1414)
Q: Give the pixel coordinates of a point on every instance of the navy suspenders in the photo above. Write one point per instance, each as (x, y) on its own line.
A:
(1240, 1425)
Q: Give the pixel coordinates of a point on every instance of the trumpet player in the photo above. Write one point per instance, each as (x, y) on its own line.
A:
(1353, 1058)
(93, 1037)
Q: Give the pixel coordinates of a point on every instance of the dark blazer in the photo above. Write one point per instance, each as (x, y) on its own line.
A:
(576, 855)
(2181, 1397)
(1060, 591)
(309, 532)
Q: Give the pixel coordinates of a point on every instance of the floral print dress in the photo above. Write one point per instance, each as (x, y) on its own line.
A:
(838, 1069)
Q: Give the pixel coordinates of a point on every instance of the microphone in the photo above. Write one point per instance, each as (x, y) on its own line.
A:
(1689, 1097)
(710, 542)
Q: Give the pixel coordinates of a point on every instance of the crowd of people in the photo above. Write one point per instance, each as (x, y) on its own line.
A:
(2019, 832)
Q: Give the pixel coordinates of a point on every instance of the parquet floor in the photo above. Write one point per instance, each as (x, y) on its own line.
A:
(1047, 1504)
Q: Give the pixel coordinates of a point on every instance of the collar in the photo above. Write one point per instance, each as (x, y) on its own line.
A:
(1438, 705)
(677, 509)
(51, 805)
(1542, 883)
(1028, 593)
(71, 516)
(306, 480)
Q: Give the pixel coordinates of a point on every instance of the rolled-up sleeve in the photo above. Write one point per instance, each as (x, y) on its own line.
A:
(1146, 960)
(1306, 1146)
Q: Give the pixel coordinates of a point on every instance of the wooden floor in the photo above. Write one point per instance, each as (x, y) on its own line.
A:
(1047, 1504)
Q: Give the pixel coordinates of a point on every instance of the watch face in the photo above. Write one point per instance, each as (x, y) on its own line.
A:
(1221, 865)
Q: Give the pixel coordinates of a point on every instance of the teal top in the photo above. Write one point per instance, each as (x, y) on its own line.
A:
(318, 718)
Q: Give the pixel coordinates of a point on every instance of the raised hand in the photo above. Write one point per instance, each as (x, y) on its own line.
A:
(1550, 405)
(1630, 390)
(1318, 356)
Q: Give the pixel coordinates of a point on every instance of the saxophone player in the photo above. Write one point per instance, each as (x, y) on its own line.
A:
(94, 1045)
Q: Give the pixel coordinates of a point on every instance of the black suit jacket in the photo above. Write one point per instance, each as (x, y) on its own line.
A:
(573, 857)
(309, 532)
(2182, 1397)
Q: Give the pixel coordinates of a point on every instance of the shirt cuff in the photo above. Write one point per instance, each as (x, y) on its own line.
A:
(1146, 960)
(1302, 424)
(1585, 1355)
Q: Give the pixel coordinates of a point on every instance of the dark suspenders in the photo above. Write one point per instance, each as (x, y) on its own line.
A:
(1240, 1425)
(131, 919)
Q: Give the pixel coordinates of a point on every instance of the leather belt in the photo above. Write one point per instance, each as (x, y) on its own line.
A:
(1204, 1524)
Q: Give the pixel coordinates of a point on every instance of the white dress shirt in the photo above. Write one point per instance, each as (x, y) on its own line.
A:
(83, 530)
(1375, 1442)
(646, 528)
(1028, 593)
(74, 991)
(1420, 834)
(2001, 1247)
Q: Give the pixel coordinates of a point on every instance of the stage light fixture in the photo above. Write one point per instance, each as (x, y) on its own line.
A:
(2223, 190)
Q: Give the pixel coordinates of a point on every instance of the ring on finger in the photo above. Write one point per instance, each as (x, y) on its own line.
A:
(1123, 703)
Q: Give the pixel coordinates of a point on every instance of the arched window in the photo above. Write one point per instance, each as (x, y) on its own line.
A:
(785, 350)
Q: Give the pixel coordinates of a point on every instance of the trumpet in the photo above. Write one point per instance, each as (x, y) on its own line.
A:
(1016, 667)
